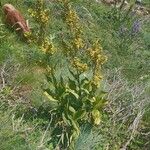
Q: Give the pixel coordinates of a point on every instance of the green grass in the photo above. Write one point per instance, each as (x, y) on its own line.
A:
(18, 134)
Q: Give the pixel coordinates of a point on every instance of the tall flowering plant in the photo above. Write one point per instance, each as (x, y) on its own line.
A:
(77, 97)
(41, 15)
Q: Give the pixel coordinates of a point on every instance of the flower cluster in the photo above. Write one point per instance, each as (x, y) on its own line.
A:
(72, 21)
(48, 47)
(39, 14)
(94, 52)
(81, 67)
(98, 58)
(132, 31)
(96, 79)
(71, 18)
(78, 42)
(29, 37)
(135, 29)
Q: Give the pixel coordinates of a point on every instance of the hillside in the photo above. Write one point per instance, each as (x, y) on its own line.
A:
(79, 79)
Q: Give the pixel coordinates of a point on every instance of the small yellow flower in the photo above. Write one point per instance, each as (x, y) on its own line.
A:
(96, 55)
(78, 42)
(81, 67)
(48, 47)
(96, 79)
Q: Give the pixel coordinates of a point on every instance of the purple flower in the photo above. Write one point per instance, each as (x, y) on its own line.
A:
(135, 29)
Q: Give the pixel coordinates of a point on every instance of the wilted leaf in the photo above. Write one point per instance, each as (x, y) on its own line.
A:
(96, 117)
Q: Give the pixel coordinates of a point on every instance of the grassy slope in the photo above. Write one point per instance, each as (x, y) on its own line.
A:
(22, 71)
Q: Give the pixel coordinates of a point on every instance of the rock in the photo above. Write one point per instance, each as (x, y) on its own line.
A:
(142, 11)
(15, 19)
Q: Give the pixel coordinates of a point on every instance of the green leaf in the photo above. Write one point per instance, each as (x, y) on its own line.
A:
(76, 127)
(50, 97)
(62, 81)
(49, 79)
(64, 95)
(73, 137)
(75, 124)
(99, 103)
(54, 79)
(84, 81)
(72, 109)
(72, 84)
(60, 90)
(102, 94)
(79, 114)
(86, 84)
(73, 74)
(50, 92)
(92, 99)
(85, 91)
(66, 120)
(73, 93)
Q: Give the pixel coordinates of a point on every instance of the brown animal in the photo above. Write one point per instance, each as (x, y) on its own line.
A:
(15, 19)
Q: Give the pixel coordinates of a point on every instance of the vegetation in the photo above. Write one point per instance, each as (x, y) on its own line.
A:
(80, 80)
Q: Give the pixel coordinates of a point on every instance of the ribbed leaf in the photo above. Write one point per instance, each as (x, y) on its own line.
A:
(72, 109)
(73, 93)
(79, 114)
(66, 120)
(50, 97)
(72, 84)
(99, 103)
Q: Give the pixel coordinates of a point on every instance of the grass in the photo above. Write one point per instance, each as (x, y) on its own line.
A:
(16, 133)
(24, 111)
